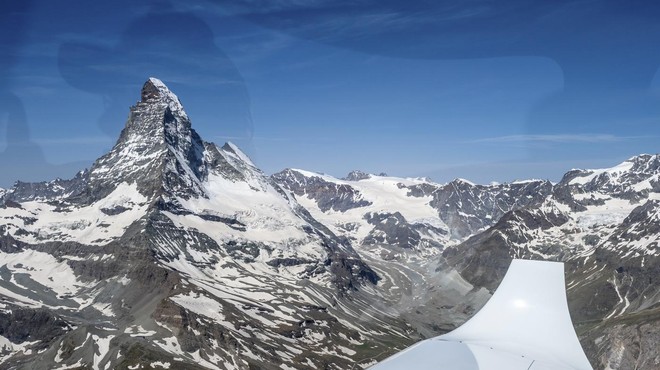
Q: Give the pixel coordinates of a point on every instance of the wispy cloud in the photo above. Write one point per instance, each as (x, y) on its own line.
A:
(328, 20)
(257, 6)
(556, 138)
(254, 46)
(276, 139)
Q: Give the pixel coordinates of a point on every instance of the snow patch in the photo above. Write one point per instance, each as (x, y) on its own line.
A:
(87, 225)
(200, 304)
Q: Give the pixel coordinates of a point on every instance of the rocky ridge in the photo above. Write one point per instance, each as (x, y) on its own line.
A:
(603, 223)
(167, 237)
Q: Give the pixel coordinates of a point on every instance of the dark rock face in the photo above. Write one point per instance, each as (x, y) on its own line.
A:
(640, 223)
(328, 195)
(150, 92)
(348, 269)
(8, 244)
(529, 220)
(618, 182)
(114, 210)
(484, 258)
(564, 194)
(391, 230)
(27, 325)
(158, 150)
(624, 346)
(47, 190)
(421, 190)
(467, 208)
(356, 176)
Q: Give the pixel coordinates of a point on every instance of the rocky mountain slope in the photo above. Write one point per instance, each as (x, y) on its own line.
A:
(172, 252)
(602, 223)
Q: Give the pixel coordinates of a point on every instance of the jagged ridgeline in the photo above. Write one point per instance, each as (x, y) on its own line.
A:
(172, 252)
(170, 249)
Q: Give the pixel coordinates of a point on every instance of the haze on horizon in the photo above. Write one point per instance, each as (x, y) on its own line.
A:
(478, 90)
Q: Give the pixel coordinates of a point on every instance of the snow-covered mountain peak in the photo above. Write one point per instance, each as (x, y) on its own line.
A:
(632, 176)
(155, 90)
(234, 151)
(356, 175)
(463, 181)
(645, 162)
(158, 149)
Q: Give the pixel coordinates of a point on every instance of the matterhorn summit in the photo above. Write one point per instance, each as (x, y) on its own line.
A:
(155, 90)
(158, 150)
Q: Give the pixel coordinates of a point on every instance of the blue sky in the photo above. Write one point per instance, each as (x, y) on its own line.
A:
(476, 89)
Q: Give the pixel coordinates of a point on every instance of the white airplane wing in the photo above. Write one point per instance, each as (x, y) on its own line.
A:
(524, 326)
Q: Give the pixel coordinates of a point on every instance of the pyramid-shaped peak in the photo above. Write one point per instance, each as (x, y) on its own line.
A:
(154, 90)
(158, 150)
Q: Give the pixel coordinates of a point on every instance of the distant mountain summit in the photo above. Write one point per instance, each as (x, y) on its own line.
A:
(173, 252)
(356, 175)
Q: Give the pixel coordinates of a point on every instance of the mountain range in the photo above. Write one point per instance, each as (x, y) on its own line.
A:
(173, 252)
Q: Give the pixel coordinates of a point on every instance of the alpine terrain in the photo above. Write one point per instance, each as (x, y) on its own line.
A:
(172, 252)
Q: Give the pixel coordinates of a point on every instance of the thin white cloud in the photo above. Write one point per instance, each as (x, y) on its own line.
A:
(274, 138)
(254, 46)
(257, 6)
(556, 138)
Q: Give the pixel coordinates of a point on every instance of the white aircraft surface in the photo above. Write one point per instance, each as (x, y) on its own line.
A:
(524, 326)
